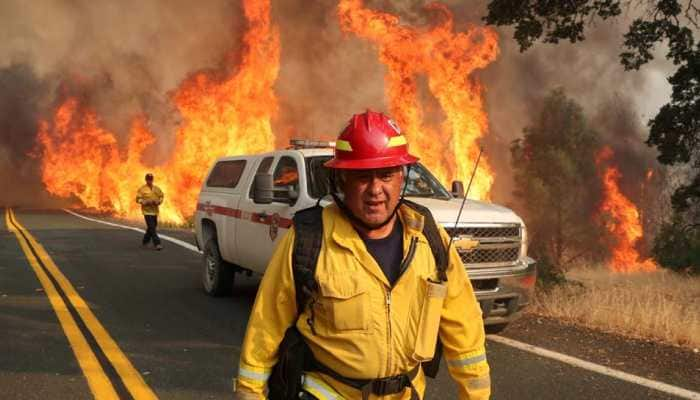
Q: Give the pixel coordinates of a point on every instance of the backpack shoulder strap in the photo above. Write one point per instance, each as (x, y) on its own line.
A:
(308, 227)
(432, 233)
(437, 246)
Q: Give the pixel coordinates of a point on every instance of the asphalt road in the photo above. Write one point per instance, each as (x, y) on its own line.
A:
(182, 343)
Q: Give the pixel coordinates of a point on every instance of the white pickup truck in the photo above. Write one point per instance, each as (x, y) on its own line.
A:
(239, 221)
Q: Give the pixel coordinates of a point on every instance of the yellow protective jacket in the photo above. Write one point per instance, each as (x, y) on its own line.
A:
(146, 193)
(365, 328)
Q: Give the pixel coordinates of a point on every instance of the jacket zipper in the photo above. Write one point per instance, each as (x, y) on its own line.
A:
(388, 338)
(404, 265)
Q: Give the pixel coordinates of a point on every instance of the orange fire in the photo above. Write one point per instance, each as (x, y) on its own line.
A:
(231, 112)
(621, 219)
(650, 174)
(226, 116)
(447, 59)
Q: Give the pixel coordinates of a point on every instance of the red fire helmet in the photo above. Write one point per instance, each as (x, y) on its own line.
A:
(370, 141)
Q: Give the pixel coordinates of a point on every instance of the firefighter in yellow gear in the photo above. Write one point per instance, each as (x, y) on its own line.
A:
(150, 197)
(371, 319)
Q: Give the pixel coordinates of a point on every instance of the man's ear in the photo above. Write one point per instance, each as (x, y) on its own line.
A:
(340, 180)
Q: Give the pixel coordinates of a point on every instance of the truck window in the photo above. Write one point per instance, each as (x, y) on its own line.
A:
(265, 165)
(318, 176)
(286, 174)
(226, 174)
(263, 168)
(421, 183)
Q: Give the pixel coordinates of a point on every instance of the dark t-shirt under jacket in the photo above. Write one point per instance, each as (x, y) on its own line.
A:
(388, 252)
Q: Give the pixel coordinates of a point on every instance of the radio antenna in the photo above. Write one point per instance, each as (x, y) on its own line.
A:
(464, 200)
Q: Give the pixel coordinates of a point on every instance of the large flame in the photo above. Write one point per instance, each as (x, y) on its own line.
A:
(447, 59)
(226, 116)
(230, 113)
(621, 218)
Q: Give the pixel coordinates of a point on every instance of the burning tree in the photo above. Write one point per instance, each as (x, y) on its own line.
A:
(555, 176)
(675, 130)
(621, 218)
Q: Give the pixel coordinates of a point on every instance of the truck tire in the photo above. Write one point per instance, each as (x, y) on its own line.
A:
(217, 274)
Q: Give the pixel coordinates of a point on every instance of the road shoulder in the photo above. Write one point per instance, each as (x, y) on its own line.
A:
(657, 361)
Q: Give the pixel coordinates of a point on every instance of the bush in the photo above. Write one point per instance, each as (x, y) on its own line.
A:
(677, 247)
(548, 274)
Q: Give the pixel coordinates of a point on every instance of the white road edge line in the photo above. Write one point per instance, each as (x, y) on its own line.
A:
(164, 237)
(577, 362)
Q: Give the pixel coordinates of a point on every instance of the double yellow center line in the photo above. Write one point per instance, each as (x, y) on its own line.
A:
(48, 273)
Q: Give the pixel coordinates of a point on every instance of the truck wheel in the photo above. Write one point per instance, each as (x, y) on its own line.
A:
(217, 275)
(495, 328)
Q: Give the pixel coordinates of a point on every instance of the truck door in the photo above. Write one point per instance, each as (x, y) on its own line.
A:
(224, 191)
(262, 225)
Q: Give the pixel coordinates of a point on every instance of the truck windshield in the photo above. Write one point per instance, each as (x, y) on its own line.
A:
(421, 183)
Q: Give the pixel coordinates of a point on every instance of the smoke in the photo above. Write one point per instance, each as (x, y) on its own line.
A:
(20, 91)
(624, 133)
(618, 103)
(141, 46)
(121, 58)
(326, 76)
(124, 58)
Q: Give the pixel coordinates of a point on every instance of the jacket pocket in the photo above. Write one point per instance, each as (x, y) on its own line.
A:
(429, 322)
(348, 307)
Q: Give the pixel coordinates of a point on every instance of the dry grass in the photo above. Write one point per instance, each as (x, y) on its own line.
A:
(661, 306)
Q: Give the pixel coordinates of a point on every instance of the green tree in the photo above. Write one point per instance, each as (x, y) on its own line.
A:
(675, 130)
(557, 184)
(677, 246)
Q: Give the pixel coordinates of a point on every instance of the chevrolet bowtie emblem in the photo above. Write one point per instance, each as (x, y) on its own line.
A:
(466, 243)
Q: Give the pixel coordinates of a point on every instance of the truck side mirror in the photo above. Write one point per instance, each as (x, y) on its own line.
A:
(458, 189)
(292, 194)
(262, 188)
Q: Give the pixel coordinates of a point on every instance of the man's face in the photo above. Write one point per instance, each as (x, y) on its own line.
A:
(149, 181)
(373, 194)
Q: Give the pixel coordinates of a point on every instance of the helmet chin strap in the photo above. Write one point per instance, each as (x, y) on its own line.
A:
(355, 219)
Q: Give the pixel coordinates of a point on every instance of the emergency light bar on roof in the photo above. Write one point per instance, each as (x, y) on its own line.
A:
(310, 144)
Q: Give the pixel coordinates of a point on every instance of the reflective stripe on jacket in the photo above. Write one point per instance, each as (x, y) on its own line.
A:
(145, 193)
(365, 328)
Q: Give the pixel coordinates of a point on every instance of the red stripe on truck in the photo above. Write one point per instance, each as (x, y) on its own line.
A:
(259, 218)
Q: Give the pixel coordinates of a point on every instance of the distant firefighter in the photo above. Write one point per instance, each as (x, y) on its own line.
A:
(150, 197)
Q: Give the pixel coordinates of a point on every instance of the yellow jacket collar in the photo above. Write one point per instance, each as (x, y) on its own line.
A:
(339, 228)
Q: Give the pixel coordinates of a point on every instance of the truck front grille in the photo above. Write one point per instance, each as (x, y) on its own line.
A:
(512, 231)
(480, 256)
(499, 245)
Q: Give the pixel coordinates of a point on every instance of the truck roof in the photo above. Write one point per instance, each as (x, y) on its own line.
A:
(304, 152)
(316, 152)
